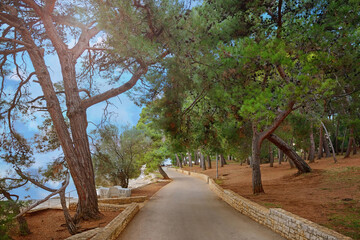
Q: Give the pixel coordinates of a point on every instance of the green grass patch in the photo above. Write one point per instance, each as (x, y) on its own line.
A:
(347, 223)
(271, 205)
(219, 181)
(347, 175)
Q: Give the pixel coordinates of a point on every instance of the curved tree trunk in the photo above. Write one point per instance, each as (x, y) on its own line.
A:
(300, 164)
(162, 172)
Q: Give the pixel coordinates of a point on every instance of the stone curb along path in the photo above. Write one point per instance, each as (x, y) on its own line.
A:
(114, 228)
(278, 220)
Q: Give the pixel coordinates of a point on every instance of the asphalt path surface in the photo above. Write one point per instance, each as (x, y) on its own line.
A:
(186, 209)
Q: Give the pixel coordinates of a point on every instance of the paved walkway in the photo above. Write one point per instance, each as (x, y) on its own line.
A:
(186, 209)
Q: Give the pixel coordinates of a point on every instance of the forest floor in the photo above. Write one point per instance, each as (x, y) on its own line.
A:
(50, 223)
(329, 195)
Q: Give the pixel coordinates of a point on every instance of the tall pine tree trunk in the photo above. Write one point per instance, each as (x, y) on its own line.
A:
(217, 165)
(209, 161)
(203, 165)
(291, 163)
(189, 159)
(326, 147)
(336, 138)
(312, 145)
(196, 158)
(271, 156)
(178, 161)
(255, 162)
(354, 147)
(321, 143)
(184, 160)
(74, 143)
(350, 144)
(225, 163)
(281, 156)
(222, 160)
(343, 143)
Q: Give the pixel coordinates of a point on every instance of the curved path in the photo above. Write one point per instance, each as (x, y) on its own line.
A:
(186, 209)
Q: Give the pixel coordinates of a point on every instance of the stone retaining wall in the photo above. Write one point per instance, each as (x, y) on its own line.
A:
(118, 224)
(283, 222)
(113, 229)
(85, 235)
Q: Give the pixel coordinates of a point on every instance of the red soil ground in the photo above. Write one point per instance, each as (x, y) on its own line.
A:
(49, 224)
(329, 195)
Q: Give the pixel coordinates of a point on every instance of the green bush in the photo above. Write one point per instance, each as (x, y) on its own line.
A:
(6, 219)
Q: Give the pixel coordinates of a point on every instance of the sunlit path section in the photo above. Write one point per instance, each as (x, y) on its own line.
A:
(187, 209)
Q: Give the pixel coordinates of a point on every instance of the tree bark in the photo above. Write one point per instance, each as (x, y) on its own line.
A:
(203, 165)
(271, 156)
(291, 163)
(209, 161)
(256, 173)
(162, 172)
(336, 138)
(178, 161)
(321, 143)
(343, 143)
(222, 160)
(196, 158)
(189, 159)
(281, 156)
(350, 144)
(69, 222)
(300, 164)
(354, 147)
(326, 147)
(312, 145)
(329, 140)
(217, 165)
(184, 160)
